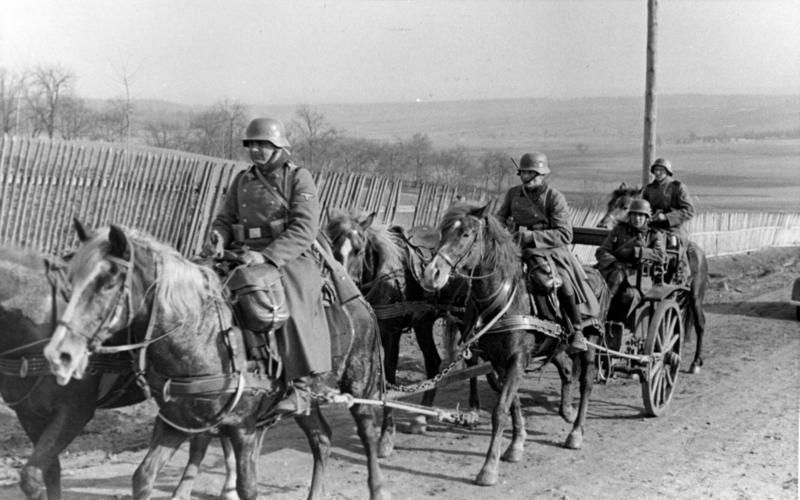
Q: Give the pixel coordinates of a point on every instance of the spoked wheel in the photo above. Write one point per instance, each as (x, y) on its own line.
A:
(663, 345)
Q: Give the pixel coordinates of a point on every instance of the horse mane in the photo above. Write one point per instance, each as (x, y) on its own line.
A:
(379, 239)
(184, 288)
(625, 190)
(501, 252)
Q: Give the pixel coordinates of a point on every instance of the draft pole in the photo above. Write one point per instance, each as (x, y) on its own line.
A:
(648, 151)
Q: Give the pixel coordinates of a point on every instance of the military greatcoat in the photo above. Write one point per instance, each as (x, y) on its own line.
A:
(626, 244)
(671, 197)
(284, 235)
(545, 212)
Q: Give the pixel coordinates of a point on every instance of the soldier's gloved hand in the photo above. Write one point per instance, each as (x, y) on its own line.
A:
(214, 247)
(250, 257)
(525, 237)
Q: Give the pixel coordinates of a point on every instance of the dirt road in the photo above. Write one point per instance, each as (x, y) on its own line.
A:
(730, 432)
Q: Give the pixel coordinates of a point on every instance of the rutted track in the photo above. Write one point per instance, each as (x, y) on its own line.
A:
(730, 432)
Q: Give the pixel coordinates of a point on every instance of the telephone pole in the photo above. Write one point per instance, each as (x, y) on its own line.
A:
(648, 152)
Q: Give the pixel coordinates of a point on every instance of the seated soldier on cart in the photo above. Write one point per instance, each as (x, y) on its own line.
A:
(629, 244)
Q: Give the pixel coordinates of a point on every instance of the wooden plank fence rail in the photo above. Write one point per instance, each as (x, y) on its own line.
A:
(173, 195)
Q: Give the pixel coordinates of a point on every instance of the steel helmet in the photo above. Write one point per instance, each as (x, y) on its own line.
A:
(639, 206)
(661, 162)
(266, 129)
(534, 162)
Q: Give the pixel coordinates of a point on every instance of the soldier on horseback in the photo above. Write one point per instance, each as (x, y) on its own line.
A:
(270, 216)
(672, 208)
(539, 216)
(629, 243)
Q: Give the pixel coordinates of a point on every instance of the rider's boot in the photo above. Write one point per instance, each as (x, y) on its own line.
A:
(302, 391)
(570, 310)
(297, 400)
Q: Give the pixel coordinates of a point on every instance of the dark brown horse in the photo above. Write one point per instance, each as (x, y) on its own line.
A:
(381, 260)
(476, 246)
(692, 307)
(31, 296)
(194, 359)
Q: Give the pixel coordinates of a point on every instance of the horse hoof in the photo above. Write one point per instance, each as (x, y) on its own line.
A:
(385, 448)
(568, 414)
(419, 425)
(694, 369)
(229, 495)
(574, 440)
(486, 478)
(512, 455)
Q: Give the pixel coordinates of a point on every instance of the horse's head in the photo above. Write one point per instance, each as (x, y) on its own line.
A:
(102, 279)
(618, 205)
(461, 247)
(348, 235)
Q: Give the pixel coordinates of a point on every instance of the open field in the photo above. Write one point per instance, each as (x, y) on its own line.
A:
(595, 143)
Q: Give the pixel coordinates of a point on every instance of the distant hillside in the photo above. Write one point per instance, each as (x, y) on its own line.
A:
(513, 123)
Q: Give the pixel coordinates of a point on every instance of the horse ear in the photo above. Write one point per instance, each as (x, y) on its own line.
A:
(623, 185)
(367, 223)
(481, 212)
(118, 241)
(84, 233)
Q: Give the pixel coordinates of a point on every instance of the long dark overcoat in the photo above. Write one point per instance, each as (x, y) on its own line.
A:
(284, 236)
(544, 210)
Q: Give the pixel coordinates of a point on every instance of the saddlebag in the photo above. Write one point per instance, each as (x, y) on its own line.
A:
(259, 298)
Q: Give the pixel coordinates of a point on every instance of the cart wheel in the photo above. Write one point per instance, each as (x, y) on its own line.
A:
(663, 345)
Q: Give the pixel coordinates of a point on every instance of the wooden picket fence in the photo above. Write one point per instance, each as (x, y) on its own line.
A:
(172, 195)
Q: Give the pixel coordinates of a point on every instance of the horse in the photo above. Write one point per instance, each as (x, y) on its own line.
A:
(193, 356)
(694, 317)
(52, 416)
(380, 259)
(475, 245)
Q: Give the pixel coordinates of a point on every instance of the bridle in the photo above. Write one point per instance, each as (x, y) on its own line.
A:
(124, 292)
(454, 265)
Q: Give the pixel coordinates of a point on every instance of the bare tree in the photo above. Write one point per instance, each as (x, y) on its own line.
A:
(214, 129)
(315, 135)
(168, 134)
(420, 151)
(75, 120)
(12, 91)
(495, 170)
(48, 85)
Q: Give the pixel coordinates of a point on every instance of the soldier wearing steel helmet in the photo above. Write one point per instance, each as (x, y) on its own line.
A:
(270, 214)
(629, 243)
(669, 198)
(538, 215)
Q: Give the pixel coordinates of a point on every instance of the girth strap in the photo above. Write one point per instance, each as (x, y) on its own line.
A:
(525, 322)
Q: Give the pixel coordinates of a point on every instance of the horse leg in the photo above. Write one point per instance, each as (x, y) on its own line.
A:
(245, 440)
(229, 488)
(318, 433)
(699, 319)
(390, 339)
(164, 442)
(489, 472)
(564, 366)
(423, 330)
(40, 478)
(587, 367)
(365, 423)
(198, 446)
(516, 448)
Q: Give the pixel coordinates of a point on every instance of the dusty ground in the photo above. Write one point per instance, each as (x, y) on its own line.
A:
(730, 432)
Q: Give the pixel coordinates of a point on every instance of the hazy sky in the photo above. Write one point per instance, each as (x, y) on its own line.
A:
(310, 51)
